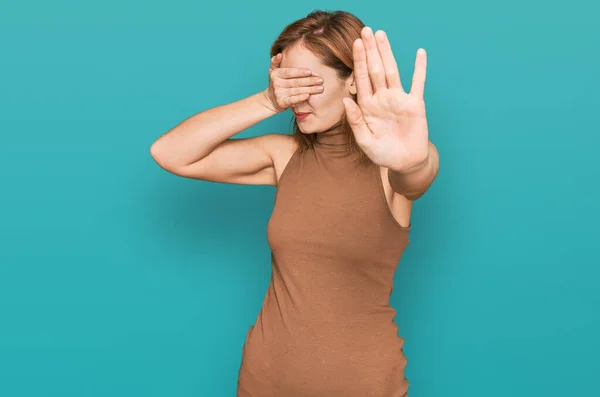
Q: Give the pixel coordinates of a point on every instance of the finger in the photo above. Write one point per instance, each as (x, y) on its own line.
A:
(316, 89)
(357, 122)
(392, 74)
(374, 63)
(294, 99)
(275, 61)
(301, 82)
(292, 73)
(418, 82)
(361, 71)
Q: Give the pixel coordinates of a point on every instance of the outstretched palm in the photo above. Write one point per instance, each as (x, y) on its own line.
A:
(389, 124)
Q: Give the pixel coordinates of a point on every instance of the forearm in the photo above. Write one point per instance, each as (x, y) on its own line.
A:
(197, 136)
(413, 183)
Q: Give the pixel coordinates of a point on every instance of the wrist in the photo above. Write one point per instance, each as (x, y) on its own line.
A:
(413, 168)
(266, 102)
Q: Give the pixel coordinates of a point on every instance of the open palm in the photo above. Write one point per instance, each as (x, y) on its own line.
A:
(389, 125)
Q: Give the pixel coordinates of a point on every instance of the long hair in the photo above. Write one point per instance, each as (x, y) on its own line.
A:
(329, 35)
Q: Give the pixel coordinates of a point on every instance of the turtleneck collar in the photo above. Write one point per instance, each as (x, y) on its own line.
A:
(333, 140)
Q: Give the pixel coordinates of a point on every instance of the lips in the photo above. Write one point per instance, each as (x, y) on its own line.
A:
(301, 116)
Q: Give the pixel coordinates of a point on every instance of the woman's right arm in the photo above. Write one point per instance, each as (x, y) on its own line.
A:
(201, 146)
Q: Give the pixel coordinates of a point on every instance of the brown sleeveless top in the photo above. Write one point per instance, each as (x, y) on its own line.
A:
(326, 327)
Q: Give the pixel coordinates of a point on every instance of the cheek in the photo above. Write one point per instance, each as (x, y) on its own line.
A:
(316, 99)
(322, 101)
(326, 106)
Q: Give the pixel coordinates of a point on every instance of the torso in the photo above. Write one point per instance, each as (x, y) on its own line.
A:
(326, 326)
(400, 206)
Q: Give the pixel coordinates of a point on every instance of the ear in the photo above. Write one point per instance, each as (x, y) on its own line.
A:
(352, 87)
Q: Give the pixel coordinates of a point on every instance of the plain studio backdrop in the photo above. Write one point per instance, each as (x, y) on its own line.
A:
(120, 279)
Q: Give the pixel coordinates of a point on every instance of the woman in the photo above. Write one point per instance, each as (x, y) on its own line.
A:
(346, 180)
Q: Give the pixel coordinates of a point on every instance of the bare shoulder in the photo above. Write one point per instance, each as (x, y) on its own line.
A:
(281, 148)
(400, 206)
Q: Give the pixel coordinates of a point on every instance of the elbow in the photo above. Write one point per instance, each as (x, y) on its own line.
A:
(155, 152)
(159, 157)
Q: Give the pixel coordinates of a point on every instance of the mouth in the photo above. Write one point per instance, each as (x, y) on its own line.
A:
(301, 116)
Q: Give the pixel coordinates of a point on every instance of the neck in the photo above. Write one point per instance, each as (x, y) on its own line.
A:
(332, 136)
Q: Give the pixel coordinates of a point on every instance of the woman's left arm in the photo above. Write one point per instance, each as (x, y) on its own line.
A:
(389, 124)
(414, 182)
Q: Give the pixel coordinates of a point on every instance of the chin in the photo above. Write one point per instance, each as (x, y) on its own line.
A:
(306, 130)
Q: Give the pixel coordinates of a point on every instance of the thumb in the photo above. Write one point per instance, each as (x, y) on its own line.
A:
(357, 122)
(275, 61)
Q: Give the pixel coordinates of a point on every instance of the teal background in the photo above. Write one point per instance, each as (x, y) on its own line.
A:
(119, 279)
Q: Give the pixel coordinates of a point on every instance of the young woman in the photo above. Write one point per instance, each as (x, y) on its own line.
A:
(346, 179)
